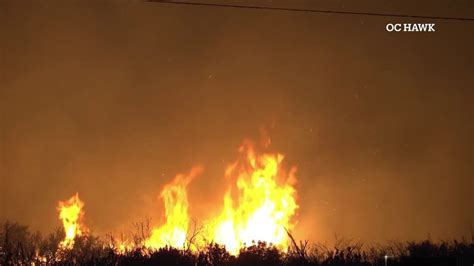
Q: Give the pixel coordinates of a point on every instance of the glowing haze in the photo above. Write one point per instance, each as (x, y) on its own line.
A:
(113, 100)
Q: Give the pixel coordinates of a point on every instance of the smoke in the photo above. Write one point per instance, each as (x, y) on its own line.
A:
(114, 100)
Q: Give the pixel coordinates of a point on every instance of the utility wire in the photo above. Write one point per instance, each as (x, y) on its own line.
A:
(321, 11)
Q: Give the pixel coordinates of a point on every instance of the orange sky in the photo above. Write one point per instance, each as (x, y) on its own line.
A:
(113, 100)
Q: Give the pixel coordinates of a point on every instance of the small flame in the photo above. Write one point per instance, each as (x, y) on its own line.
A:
(71, 214)
(124, 247)
(175, 198)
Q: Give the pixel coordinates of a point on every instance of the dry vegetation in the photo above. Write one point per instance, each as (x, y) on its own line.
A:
(20, 246)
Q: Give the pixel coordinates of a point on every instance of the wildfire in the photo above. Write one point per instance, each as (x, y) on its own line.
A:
(70, 213)
(124, 247)
(261, 203)
(174, 195)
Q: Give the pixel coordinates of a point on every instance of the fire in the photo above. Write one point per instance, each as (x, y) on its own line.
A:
(71, 214)
(124, 247)
(261, 204)
(173, 232)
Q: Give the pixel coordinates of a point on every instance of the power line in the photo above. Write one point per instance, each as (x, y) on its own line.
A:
(309, 10)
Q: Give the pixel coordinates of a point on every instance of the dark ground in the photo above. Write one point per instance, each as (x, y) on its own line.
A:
(19, 246)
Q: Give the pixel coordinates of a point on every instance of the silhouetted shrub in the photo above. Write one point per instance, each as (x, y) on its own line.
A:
(19, 246)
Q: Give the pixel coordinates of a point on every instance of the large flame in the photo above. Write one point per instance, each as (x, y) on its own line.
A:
(261, 205)
(173, 232)
(71, 214)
